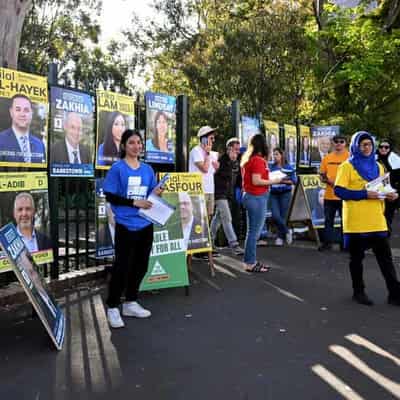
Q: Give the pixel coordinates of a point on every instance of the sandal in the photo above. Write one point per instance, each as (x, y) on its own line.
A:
(258, 267)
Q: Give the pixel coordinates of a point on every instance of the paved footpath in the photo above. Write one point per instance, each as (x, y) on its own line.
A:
(292, 333)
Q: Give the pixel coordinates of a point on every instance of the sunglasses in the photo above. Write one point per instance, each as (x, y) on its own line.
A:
(341, 141)
(384, 146)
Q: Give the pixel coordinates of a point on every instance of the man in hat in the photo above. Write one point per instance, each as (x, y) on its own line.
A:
(328, 171)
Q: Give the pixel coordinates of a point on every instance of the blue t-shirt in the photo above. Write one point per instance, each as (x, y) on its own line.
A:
(135, 184)
(289, 171)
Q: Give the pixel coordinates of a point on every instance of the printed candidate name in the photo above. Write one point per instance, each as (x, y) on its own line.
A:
(23, 89)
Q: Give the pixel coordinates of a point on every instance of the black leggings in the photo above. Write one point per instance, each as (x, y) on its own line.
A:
(132, 252)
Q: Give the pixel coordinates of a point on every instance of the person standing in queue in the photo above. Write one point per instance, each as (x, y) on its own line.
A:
(256, 181)
(127, 186)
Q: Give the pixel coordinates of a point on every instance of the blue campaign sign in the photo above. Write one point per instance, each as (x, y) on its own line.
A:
(250, 127)
(26, 270)
(321, 145)
(160, 128)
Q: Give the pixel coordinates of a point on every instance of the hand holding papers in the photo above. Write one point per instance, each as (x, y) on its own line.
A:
(381, 185)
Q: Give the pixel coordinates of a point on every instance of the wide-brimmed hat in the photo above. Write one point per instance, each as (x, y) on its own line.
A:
(205, 130)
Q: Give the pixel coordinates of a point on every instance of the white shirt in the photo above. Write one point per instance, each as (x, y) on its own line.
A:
(26, 154)
(197, 154)
(187, 229)
(71, 151)
(31, 243)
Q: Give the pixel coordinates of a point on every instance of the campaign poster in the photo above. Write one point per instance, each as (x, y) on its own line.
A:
(192, 206)
(71, 133)
(321, 142)
(23, 119)
(305, 146)
(272, 135)
(167, 263)
(160, 128)
(27, 273)
(291, 144)
(249, 127)
(105, 223)
(115, 114)
(24, 201)
(314, 190)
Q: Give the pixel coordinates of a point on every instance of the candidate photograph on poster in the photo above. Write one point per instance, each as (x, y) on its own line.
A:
(160, 128)
(249, 127)
(71, 137)
(23, 119)
(291, 144)
(272, 136)
(105, 223)
(321, 142)
(27, 273)
(115, 114)
(305, 146)
(28, 210)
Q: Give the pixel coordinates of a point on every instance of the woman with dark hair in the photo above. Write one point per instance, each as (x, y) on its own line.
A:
(280, 196)
(388, 159)
(127, 186)
(160, 141)
(255, 189)
(109, 150)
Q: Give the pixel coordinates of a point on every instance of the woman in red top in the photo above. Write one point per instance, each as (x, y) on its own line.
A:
(255, 188)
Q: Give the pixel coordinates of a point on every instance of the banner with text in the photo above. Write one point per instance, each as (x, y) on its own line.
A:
(290, 144)
(23, 119)
(272, 135)
(305, 148)
(249, 127)
(321, 137)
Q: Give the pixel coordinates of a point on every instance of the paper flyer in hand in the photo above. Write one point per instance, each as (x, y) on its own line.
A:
(381, 185)
(160, 211)
(277, 175)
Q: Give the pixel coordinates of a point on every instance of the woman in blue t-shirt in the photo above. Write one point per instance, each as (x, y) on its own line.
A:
(127, 186)
(280, 195)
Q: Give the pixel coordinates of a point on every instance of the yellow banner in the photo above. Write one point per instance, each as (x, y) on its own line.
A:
(23, 181)
(311, 181)
(304, 131)
(40, 257)
(271, 127)
(290, 130)
(191, 183)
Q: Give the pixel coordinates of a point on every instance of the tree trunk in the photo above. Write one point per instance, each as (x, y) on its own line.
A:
(12, 18)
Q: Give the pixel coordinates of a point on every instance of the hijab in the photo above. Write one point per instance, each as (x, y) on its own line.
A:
(366, 166)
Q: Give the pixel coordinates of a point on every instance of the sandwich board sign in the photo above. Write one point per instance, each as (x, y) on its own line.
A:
(26, 270)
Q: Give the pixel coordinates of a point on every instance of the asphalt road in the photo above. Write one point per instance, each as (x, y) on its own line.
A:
(291, 333)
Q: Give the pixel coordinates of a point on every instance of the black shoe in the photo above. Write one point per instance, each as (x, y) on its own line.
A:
(362, 298)
(325, 247)
(394, 301)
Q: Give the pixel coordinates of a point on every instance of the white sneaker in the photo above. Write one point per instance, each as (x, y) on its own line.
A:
(289, 237)
(114, 318)
(134, 309)
(279, 242)
(237, 250)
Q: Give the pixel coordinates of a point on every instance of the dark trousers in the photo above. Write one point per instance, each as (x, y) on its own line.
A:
(132, 252)
(330, 208)
(390, 209)
(381, 248)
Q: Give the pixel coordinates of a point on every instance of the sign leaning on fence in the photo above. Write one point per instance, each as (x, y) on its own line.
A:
(305, 146)
(272, 135)
(24, 267)
(71, 133)
(291, 144)
(249, 127)
(24, 201)
(192, 205)
(23, 119)
(321, 137)
(115, 114)
(160, 128)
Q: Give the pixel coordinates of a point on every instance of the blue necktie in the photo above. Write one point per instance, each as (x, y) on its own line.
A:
(25, 148)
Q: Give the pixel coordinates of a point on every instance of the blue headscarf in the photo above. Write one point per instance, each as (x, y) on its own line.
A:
(366, 166)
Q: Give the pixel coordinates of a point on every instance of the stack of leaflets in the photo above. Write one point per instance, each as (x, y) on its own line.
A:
(381, 185)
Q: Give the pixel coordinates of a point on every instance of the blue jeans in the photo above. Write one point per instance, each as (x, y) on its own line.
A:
(223, 216)
(279, 208)
(330, 208)
(255, 215)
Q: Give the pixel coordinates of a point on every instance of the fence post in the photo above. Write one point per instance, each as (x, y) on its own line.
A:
(182, 133)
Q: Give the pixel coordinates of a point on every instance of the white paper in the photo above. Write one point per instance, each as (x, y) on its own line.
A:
(160, 212)
(394, 160)
(381, 185)
(277, 175)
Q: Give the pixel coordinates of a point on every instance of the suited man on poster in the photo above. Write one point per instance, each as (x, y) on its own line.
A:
(17, 144)
(69, 150)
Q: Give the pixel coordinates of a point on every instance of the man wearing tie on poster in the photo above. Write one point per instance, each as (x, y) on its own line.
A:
(70, 150)
(305, 150)
(17, 144)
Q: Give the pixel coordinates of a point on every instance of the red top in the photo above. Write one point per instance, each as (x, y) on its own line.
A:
(256, 165)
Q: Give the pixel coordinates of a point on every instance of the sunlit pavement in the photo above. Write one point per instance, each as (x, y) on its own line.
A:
(291, 333)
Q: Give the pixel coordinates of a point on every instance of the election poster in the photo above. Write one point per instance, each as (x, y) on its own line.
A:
(105, 223)
(71, 133)
(272, 135)
(192, 206)
(305, 146)
(321, 142)
(115, 114)
(24, 201)
(167, 263)
(291, 144)
(23, 119)
(249, 127)
(160, 128)
(27, 273)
